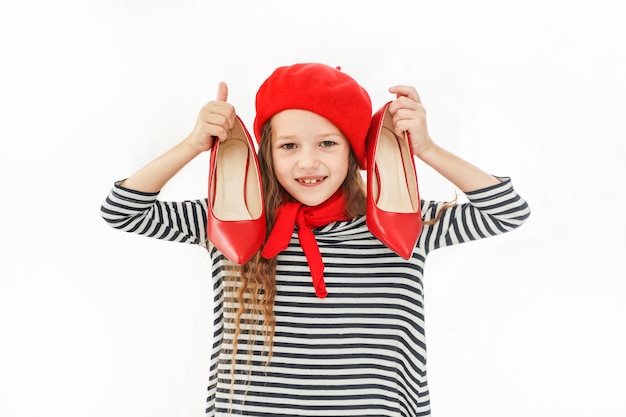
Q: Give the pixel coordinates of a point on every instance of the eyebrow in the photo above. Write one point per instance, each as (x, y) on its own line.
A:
(321, 136)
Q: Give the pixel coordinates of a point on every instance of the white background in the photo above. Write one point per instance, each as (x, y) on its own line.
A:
(95, 322)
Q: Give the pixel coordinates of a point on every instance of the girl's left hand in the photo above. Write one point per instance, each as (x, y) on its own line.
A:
(409, 116)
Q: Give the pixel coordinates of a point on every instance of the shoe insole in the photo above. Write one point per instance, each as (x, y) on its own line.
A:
(230, 175)
(392, 182)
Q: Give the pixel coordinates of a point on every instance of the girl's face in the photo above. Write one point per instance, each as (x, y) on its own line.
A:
(310, 155)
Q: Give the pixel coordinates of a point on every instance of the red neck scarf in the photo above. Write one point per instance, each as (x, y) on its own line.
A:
(307, 218)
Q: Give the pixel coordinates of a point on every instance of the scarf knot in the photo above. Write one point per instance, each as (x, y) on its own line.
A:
(306, 218)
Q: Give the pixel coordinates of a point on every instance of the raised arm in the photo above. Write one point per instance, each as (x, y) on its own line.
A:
(214, 120)
(409, 116)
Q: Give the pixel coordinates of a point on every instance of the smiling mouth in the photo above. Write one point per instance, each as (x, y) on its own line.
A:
(310, 181)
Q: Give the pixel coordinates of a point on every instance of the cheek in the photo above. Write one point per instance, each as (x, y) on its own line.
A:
(281, 169)
(342, 165)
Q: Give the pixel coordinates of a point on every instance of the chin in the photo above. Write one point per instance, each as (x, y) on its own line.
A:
(313, 200)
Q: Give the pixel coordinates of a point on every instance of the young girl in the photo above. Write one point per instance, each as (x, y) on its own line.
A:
(352, 342)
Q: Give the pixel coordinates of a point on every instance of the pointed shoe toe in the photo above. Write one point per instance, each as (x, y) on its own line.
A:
(393, 213)
(236, 217)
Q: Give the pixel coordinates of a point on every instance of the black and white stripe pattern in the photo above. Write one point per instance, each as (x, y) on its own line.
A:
(360, 351)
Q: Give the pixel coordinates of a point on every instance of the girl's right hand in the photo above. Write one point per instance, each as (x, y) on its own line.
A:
(215, 119)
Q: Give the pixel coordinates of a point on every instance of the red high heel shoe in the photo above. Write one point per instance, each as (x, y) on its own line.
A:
(393, 212)
(236, 217)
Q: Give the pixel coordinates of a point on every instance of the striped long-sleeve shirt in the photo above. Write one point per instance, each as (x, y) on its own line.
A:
(361, 351)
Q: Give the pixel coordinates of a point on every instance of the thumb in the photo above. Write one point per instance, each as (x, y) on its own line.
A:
(398, 91)
(222, 92)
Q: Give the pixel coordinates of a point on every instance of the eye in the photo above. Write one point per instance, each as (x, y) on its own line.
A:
(328, 143)
(288, 146)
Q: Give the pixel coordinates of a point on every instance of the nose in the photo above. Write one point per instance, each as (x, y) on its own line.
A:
(308, 159)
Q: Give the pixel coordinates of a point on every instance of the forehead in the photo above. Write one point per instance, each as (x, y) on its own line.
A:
(295, 122)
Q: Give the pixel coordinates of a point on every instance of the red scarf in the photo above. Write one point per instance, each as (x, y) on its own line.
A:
(307, 218)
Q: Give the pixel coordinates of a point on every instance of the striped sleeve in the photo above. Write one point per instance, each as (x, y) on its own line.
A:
(489, 212)
(142, 213)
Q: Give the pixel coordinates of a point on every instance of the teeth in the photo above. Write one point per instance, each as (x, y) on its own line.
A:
(310, 181)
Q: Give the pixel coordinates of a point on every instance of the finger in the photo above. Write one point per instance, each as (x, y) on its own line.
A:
(405, 91)
(222, 92)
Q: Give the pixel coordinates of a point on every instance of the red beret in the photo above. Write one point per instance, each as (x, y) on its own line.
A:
(323, 90)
